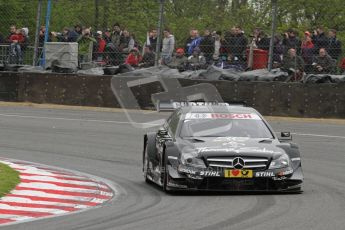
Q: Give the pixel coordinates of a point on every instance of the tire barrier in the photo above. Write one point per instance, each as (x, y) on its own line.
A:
(270, 98)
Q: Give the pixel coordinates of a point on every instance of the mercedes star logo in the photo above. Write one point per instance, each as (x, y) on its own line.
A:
(238, 163)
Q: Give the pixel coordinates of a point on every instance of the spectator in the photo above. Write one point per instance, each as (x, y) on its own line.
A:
(278, 51)
(229, 41)
(67, 35)
(13, 31)
(148, 57)
(17, 37)
(153, 39)
(86, 43)
(291, 41)
(194, 44)
(196, 60)
(99, 47)
(227, 61)
(319, 39)
(15, 50)
(134, 58)
(342, 66)
(136, 43)
(307, 51)
(112, 54)
(323, 63)
(78, 29)
(334, 45)
(26, 39)
(126, 42)
(167, 47)
(207, 45)
(178, 61)
(41, 36)
(107, 36)
(239, 44)
(293, 64)
(117, 34)
(217, 35)
(193, 33)
(261, 41)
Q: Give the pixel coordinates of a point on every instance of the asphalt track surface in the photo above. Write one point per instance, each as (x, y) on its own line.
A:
(104, 144)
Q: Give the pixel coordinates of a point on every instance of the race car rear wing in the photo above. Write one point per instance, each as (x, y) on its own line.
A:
(166, 106)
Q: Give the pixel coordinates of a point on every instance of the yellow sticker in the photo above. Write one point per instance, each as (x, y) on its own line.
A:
(237, 173)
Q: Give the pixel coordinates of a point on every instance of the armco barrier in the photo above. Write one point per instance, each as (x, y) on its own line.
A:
(270, 98)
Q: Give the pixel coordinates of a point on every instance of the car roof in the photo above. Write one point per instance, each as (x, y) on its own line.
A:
(218, 109)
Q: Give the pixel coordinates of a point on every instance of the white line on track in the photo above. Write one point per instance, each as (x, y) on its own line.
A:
(318, 135)
(75, 119)
(136, 123)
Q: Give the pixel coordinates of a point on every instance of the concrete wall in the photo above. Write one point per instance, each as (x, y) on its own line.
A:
(269, 98)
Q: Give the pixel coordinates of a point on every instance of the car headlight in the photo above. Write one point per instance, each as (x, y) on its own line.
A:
(192, 159)
(281, 162)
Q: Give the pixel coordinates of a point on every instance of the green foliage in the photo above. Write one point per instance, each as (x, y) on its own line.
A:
(180, 15)
(9, 178)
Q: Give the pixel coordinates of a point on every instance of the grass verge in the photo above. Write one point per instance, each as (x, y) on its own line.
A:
(9, 178)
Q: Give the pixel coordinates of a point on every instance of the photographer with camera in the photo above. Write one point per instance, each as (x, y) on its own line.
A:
(290, 40)
(67, 35)
(319, 39)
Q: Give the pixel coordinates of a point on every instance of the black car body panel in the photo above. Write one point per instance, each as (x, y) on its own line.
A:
(225, 163)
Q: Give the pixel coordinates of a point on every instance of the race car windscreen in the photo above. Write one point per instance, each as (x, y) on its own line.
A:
(224, 125)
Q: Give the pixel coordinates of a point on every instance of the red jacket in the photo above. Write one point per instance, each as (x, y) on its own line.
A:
(342, 64)
(17, 37)
(101, 45)
(307, 44)
(133, 60)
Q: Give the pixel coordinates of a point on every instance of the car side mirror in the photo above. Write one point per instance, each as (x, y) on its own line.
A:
(285, 136)
(162, 132)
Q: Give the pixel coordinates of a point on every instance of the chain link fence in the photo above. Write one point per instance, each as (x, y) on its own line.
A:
(195, 34)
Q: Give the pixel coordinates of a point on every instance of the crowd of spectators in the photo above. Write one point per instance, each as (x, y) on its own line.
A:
(317, 51)
(17, 41)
